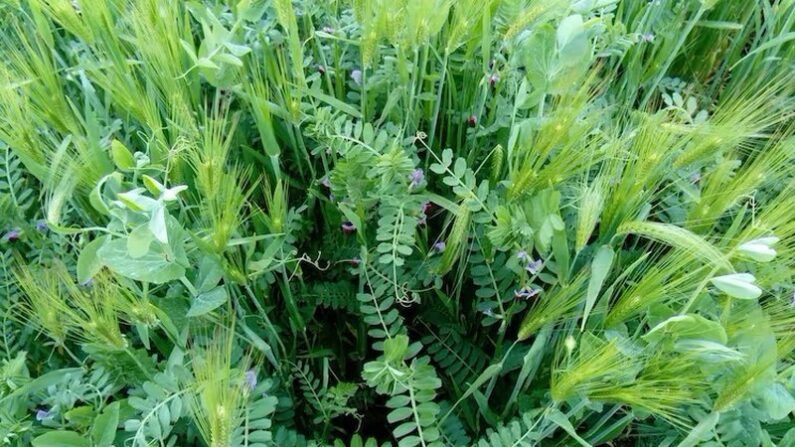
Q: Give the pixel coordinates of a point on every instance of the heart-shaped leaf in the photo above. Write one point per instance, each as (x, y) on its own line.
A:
(207, 302)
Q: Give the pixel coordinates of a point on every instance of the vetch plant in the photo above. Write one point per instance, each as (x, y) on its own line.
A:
(256, 223)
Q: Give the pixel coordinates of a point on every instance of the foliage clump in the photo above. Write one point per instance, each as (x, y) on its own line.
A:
(404, 223)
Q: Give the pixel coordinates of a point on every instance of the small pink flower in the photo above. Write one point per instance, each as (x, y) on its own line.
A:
(13, 235)
(348, 227)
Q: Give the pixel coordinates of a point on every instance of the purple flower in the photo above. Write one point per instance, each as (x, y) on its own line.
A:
(534, 267)
(522, 255)
(647, 37)
(526, 293)
(494, 79)
(41, 226)
(356, 75)
(439, 246)
(325, 181)
(13, 235)
(328, 30)
(88, 283)
(416, 177)
(42, 415)
(348, 227)
(427, 207)
(251, 379)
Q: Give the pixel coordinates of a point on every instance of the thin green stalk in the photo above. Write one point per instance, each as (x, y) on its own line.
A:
(438, 105)
(662, 71)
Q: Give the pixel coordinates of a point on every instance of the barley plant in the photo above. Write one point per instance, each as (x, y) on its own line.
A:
(368, 223)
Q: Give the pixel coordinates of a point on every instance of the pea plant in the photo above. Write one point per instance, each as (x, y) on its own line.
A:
(367, 223)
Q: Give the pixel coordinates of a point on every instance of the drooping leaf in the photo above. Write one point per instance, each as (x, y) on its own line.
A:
(156, 266)
(61, 439)
(208, 301)
(600, 267)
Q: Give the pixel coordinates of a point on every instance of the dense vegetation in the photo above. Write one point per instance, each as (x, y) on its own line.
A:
(397, 222)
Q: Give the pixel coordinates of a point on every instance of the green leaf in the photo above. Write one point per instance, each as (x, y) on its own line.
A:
(569, 29)
(395, 348)
(103, 431)
(139, 240)
(122, 157)
(335, 103)
(157, 223)
(562, 421)
(61, 439)
(210, 274)
(153, 186)
(600, 267)
(208, 301)
(777, 401)
(136, 201)
(89, 263)
(155, 267)
(702, 431)
(95, 197)
(784, 37)
(351, 216)
(687, 326)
